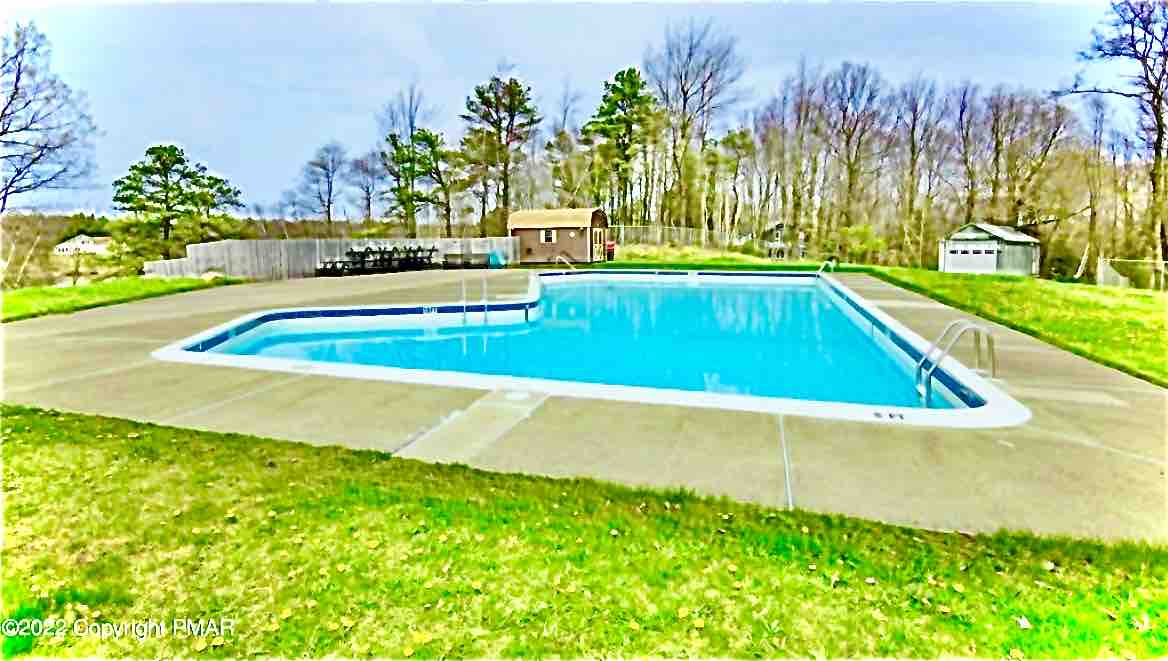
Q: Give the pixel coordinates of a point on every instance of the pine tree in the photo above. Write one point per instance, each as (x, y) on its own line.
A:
(507, 112)
(624, 111)
(165, 186)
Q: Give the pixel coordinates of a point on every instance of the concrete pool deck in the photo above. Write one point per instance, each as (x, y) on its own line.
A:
(1091, 461)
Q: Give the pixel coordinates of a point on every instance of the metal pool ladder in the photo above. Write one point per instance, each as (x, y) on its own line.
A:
(561, 258)
(462, 279)
(953, 333)
(486, 298)
(826, 264)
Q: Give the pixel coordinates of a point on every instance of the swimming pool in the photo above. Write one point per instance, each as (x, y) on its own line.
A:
(798, 343)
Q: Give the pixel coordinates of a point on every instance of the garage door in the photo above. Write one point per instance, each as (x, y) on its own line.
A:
(972, 257)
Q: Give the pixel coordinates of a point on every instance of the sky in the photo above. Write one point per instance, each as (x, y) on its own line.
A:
(253, 90)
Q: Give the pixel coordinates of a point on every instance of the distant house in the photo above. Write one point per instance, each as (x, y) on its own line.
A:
(986, 248)
(577, 235)
(83, 244)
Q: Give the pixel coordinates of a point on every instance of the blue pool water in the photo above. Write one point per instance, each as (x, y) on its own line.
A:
(788, 340)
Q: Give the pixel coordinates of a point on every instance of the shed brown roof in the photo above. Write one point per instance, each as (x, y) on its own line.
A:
(540, 219)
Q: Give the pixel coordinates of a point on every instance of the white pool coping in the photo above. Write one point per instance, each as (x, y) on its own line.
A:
(999, 409)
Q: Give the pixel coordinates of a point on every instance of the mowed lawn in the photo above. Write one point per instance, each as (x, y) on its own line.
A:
(37, 301)
(1123, 328)
(327, 551)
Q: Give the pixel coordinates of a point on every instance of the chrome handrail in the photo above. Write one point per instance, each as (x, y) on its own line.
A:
(462, 279)
(825, 264)
(933, 347)
(561, 258)
(533, 288)
(486, 296)
(924, 377)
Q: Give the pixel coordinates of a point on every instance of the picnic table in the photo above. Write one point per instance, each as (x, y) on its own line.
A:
(379, 259)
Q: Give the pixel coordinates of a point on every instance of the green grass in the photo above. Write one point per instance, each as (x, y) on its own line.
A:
(685, 254)
(1123, 328)
(37, 301)
(326, 551)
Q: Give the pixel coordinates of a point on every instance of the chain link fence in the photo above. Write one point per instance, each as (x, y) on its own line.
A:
(658, 235)
(1139, 273)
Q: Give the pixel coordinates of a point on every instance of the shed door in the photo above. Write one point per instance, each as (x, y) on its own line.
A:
(972, 257)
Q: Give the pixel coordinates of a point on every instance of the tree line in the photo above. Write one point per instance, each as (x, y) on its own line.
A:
(840, 160)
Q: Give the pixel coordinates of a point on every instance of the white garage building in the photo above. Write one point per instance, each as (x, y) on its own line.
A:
(83, 244)
(986, 248)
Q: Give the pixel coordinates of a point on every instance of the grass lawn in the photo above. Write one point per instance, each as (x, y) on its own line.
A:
(37, 301)
(326, 551)
(1123, 328)
(685, 254)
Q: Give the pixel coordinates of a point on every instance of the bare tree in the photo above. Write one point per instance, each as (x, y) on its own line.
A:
(400, 120)
(695, 73)
(1123, 218)
(966, 119)
(45, 129)
(1001, 117)
(1031, 130)
(31, 251)
(1093, 162)
(857, 126)
(567, 107)
(366, 174)
(1138, 35)
(320, 181)
(259, 215)
(920, 116)
(797, 171)
(405, 113)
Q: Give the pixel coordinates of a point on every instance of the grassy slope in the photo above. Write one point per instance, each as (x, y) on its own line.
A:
(1123, 328)
(37, 301)
(316, 551)
(639, 253)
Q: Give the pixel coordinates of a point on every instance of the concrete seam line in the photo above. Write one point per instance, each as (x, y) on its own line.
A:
(786, 465)
(442, 422)
(477, 447)
(525, 415)
(1151, 389)
(99, 338)
(78, 377)
(1107, 448)
(65, 337)
(231, 400)
(1057, 437)
(480, 445)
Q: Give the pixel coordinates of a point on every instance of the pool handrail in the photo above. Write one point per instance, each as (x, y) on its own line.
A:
(561, 258)
(924, 381)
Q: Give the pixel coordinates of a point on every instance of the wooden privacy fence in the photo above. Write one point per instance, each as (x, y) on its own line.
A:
(282, 259)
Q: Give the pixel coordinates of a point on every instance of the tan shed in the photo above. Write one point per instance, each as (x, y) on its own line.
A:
(577, 235)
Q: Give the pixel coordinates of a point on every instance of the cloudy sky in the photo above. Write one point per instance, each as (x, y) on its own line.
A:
(252, 90)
